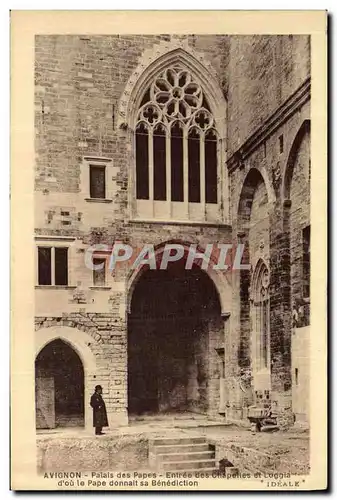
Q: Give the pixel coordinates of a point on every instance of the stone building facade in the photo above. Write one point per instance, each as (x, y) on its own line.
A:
(121, 122)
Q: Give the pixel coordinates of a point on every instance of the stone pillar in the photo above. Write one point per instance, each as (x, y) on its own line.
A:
(89, 384)
(244, 349)
(233, 341)
(118, 381)
(222, 363)
(280, 311)
(118, 369)
(215, 342)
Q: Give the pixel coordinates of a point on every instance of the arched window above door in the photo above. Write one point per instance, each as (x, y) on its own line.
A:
(175, 111)
(177, 149)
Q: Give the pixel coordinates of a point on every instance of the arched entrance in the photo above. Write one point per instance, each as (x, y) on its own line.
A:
(174, 325)
(59, 386)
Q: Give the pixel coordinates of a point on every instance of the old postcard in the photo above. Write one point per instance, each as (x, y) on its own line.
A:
(169, 212)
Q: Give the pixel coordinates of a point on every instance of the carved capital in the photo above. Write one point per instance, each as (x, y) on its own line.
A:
(276, 176)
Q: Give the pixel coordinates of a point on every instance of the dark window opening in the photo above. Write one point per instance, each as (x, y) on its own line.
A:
(177, 164)
(194, 167)
(170, 77)
(306, 261)
(44, 266)
(211, 168)
(99, 274)
(182, 79)
(142, 163)
(61, 266)
(296, 376)
(280, 139)
(146, 98)
(205, 104)
(97, 181)
(264, 334)
(159, 159)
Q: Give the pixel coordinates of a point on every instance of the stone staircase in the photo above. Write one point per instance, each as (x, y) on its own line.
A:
(182, 454)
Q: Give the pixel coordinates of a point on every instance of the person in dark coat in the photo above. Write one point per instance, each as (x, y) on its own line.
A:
(100, 415)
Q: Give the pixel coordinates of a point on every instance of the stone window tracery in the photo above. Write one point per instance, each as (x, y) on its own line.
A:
(176, 142)
(261, 306)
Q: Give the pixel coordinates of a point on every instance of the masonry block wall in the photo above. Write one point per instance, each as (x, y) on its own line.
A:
(264, 71)
(272, 156)
(79, 86)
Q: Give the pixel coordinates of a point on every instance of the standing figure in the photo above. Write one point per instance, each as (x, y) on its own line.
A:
(98, 405)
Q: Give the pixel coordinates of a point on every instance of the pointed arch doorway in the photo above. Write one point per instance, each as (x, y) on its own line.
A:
(174, 317)
(59, 386)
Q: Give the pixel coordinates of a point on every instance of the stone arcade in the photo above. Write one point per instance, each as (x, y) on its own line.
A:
(149, 140)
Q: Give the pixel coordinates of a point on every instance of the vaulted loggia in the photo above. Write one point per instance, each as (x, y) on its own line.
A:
(174, 317)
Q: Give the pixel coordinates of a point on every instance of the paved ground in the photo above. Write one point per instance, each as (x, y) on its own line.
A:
(288, 451)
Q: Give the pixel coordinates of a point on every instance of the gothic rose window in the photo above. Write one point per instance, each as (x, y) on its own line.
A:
(176, 142)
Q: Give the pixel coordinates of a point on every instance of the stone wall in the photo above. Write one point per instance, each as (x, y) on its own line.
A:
(274, 163)
(107, 343)
(79, 87)
(119, 453)
(263, 72)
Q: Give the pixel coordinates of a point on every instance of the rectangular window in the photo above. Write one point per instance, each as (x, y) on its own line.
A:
(44, 266)
(53, 266)
(211, 180)
(280, 139)
(159, 160)
(306, 261)
(194, 167)
(264, 334)
(296, 376)
(142, 163)
(97, 181)
(177, 164)
(99, 274)
(61, 266)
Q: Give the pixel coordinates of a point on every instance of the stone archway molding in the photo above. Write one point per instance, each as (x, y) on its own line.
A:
(263, 174)
(76, 339)
(295, 147)
(160, 56)
(220, 280)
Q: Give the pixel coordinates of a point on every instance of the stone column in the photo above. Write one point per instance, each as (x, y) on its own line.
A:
(280, 311)
(244, 354)
(118, 390)
(224, 396)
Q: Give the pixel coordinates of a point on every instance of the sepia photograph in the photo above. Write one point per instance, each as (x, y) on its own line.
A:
(172, 260)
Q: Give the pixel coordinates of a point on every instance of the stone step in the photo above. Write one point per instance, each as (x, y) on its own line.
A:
(200, 472)
(178, 457)
(181, 448)
(178, 441)
(188, 465)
